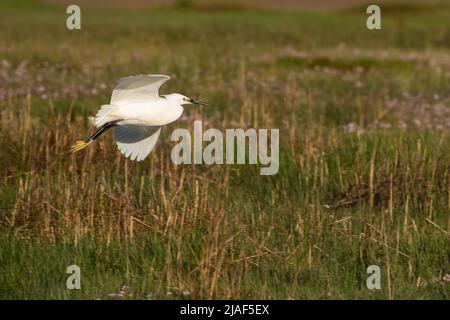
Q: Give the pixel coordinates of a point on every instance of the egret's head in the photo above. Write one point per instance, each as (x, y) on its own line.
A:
(181, 100)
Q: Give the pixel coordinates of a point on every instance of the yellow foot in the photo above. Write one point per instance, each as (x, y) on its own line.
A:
(79, 145)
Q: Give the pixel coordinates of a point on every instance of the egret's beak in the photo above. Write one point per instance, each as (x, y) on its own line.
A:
(193, 101)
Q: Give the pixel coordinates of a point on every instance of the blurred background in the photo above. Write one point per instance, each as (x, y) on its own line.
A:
(364, 119)
(306, 5)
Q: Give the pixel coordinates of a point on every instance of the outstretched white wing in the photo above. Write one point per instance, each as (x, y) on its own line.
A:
(135, 141)
(140, 88)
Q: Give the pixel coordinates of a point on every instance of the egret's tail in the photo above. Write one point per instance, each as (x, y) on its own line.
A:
(79, 145)
(104, 115)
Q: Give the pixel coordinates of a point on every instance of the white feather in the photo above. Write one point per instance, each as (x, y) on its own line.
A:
(104, 115)
(136, 141)
(138, 89)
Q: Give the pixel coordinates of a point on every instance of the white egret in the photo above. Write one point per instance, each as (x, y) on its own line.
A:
(137, 112)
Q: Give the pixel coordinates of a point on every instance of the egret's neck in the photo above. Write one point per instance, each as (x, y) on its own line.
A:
(175, 109)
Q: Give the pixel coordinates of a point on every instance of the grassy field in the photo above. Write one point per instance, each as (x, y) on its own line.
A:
(364, 179)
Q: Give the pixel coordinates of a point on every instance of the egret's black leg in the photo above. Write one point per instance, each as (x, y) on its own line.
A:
(102, 129)
(77, 146)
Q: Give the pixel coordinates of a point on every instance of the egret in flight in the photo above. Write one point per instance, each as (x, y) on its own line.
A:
(137, 112)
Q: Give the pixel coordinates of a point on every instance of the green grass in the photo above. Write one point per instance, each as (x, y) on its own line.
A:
(364, 163)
